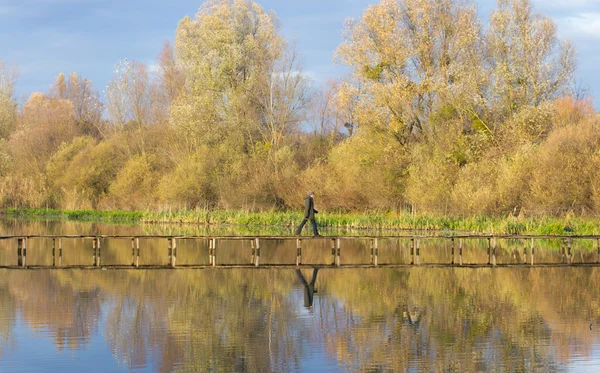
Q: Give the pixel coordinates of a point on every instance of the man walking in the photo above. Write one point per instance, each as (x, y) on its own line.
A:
(309, 214)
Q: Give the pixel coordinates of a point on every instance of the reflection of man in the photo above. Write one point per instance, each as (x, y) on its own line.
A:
(309, 288)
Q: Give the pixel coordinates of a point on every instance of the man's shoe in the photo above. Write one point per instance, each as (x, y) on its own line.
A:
(317, 235)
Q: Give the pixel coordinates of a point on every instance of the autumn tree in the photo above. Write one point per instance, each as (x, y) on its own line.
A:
(408, 59)
(8, 105)
(529, 65)
(46, 123)
(87, 106)
(237, 77)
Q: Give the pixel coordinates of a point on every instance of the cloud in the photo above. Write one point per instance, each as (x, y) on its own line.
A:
(581, 25)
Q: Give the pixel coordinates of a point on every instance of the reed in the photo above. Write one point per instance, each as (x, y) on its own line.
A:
(383, 221)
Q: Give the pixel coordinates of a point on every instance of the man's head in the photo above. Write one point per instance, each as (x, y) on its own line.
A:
(312, 194)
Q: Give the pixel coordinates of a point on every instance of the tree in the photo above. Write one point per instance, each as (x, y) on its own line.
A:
(529, 65)
(168, 83)
(325, 115)
(46, 123)
(228, 54)
(283, 103)
(8, 105)
(410, 58)
(128, 94)
(87, 107)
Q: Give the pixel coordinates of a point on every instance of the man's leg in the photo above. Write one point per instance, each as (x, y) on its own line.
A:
(314, 226)
(299, 230)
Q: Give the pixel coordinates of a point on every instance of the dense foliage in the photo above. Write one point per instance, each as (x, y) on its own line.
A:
(440, 114)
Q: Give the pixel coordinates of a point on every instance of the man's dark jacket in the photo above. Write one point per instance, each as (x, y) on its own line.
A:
(309, 207)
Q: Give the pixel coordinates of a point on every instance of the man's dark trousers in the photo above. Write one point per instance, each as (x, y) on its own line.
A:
(314, 226)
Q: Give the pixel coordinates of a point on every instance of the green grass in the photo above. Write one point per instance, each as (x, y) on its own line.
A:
(385, 221)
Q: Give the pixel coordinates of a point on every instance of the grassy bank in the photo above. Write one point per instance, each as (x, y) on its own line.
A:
(387, 221)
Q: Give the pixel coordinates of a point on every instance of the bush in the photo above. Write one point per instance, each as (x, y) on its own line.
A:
(366, 170)
(565, 174)
(135, 184)
(189, 185)
(86, 169)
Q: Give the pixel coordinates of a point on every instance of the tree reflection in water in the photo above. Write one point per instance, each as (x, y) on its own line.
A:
(437, 320)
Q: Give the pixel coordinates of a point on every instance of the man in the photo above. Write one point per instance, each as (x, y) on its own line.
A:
(309, 214)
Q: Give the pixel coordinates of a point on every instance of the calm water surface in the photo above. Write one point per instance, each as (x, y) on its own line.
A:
(330, 320)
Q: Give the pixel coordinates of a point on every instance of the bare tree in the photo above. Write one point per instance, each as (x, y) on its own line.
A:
(87, 107)
(8, 106)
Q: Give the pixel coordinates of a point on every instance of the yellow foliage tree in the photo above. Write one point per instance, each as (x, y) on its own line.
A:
(408, 57)
(529, 64)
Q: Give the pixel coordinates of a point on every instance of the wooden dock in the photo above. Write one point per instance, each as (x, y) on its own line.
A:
(456, 242)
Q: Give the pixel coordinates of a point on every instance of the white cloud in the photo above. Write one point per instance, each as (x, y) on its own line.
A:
(581, 25)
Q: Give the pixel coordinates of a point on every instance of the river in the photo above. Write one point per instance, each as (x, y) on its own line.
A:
(287, 320)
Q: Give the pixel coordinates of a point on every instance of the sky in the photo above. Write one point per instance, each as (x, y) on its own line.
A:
(46, 37)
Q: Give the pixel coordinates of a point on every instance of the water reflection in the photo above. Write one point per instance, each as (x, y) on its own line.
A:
(421, 319)
(309, 288)
(432, 320)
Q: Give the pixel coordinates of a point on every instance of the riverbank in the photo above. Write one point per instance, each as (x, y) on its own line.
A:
(388, 221)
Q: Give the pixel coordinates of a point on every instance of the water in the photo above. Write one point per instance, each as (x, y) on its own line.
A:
(268, 320)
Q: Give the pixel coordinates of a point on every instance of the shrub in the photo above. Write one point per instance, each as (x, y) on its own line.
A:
(565, 174)
(134, 185)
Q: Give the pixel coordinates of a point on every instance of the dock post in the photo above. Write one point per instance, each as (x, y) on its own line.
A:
(418, 252)
(253, 259)
(412, 251)
(99, 252)
(489, 251)
(60, 252)
(532, 250)
(133, 251)
(452, 250)
(598, 249)
(19, 252)
(333, 251)
(54, 252)
(338, 259)
(137, 246)
(25, 252)
(94, 251)
(298, 252)
(174, 256)
(494, 245)
(170, 250)
(376, 252)
(257, 262)
(570, 250)
(215, 251)
(525, 252)
(210, 250)
(460, 251)
(372, 251)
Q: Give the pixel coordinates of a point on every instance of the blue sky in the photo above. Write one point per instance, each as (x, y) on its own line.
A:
(46, 37)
